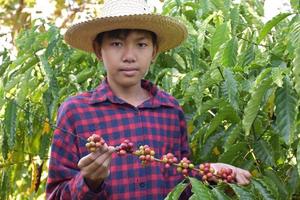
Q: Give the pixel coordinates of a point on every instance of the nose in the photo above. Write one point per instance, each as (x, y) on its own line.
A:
(129, 54)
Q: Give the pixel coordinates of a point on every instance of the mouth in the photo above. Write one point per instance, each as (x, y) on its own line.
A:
(129, 71)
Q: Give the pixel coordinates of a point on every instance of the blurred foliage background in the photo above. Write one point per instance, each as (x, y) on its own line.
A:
(237, 78)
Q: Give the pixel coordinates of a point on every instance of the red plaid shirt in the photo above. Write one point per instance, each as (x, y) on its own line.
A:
(158, 122)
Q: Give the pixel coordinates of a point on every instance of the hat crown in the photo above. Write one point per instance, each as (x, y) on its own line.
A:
(112, 8)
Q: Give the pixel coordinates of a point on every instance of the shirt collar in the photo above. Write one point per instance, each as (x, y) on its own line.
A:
(158, 98)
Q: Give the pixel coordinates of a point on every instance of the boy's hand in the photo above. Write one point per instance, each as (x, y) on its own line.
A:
(94, 167)
(242, 176)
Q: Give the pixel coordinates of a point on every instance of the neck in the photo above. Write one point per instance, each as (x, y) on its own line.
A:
(134, 95)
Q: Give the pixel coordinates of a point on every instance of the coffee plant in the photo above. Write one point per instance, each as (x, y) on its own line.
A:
(236, 77)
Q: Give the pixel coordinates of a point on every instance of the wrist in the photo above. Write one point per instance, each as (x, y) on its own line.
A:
(94, 185)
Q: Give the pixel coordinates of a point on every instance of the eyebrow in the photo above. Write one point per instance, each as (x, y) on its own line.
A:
(143, 38)
(123, 37)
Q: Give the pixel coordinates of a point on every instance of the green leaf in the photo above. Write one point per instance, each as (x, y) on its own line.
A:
(278, 75)
(220, 36)
(263, 189)
(253, 105)
(176, 192)
(233, 133)
(270, 24)
(269, 184)
(50, 76)
(84, 75)
(294, 180)
(234, 18)
(286, 111)
(4, 146)
(223, 5)
(225, 113)
(19, 61)
(2, 94)
(44, 145)
(50, 47)
(229, 56)
(298, 157)
(296, 70)
(279, 184)
(5, 64)
(264, 152)
(247, 56)
(230, 88)
(12, 83)
(202, 31)
(199, 190)
(23, 88)
(294, 35)
(295, 5)
(10, 122)
(29, 120)
(219, 194)
(235, 152)
(4, 185)
(209, 144)
(242, 192)
(28, 65)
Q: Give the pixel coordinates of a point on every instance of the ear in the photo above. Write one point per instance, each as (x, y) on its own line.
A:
(97, 50)
(154, 53)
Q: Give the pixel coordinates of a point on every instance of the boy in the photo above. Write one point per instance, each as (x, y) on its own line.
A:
(127, 38)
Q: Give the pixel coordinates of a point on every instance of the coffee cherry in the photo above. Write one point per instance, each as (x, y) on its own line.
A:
(206, 171)
(146, 154)
(226, 175)
(94, 142)
(125, 147)
(168, 159)
(184, 166)
(191, 166)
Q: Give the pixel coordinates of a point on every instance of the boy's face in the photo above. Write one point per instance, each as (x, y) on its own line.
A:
(126, 58)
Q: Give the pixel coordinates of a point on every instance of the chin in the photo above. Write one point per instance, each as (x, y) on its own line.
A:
(130, 82)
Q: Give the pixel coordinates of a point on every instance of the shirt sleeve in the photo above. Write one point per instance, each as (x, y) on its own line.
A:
(64, 178)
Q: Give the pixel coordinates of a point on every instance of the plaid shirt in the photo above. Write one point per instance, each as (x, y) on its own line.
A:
(158, 122)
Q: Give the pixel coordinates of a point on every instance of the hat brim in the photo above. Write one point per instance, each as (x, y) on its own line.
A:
(170, 32)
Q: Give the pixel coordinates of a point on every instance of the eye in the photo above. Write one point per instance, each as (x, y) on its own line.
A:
(116, 44)
(142, 44)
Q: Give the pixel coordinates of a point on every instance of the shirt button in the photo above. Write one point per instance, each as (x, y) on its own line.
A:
(142, 184)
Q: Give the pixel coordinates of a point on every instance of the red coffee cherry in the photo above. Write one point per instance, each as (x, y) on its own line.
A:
(168, 159)
(125, 147)
(226, 175)
(94, 142)
(146, 154)
(206, 171)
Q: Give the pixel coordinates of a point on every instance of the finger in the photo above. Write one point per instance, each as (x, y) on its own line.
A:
(98, 162)
(88, 159)
(242, 180)
(248, 174)
(106, 168)
(102, 171)
(91, 157)
(244, 173)
(214, 179)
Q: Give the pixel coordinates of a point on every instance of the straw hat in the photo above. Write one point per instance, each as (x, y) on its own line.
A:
(127, 14)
